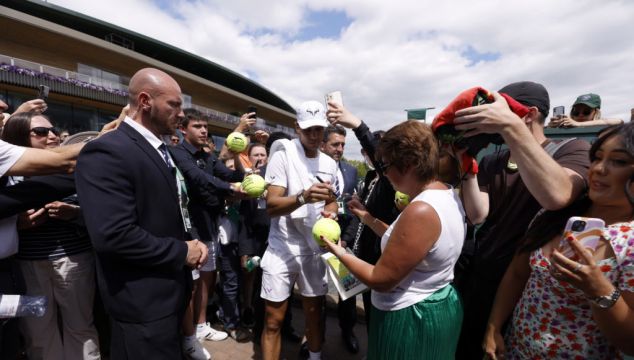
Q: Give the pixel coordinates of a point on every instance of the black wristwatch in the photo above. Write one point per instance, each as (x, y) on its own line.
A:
(606, 302)
(300, 199)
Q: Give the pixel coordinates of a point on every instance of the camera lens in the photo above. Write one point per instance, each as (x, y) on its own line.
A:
(578, 225)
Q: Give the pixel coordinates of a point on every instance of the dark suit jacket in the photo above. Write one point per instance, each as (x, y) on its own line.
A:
(349, 174)
(130, 204)
(208, 184)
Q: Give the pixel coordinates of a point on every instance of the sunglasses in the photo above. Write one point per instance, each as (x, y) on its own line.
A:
(577, 112)
(43, 131)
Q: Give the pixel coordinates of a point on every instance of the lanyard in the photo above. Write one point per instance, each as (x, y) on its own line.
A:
(183, 200)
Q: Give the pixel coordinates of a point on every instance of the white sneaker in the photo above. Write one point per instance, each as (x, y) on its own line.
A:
(206, 332)
(194, 350)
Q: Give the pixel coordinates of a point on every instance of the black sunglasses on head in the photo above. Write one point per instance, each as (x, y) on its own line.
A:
(43, 131)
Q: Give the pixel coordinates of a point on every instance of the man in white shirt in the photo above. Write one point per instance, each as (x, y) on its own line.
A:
(299, 192)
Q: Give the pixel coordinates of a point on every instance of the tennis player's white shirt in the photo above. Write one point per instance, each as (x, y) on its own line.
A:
(435, 271)
(9, 155)
(293, 236)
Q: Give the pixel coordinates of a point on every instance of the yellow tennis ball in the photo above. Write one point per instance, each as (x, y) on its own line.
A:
(327, 228)
(254, 185)
(237, 142)
(401, 199)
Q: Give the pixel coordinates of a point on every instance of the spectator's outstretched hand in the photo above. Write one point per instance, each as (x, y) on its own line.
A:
(61, 210)
(35, 105)
(115, 123)
(357, 208)
(261, 136)
(246, 121)
(338, 114)
(32, 218)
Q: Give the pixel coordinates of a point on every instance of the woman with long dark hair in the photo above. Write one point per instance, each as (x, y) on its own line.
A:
(56, 260)
(577, 307)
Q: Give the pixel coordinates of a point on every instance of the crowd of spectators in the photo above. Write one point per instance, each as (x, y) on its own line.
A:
(145, 244)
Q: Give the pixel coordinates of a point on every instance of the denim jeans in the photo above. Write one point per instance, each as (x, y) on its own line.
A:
(230, 273)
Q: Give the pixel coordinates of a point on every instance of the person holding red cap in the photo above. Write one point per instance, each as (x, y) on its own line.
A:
(512, 185)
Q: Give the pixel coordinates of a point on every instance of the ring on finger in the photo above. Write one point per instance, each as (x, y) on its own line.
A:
(577, 268)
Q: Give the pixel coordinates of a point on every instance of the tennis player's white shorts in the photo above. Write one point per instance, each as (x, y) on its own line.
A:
(281, 271)
(210, 265)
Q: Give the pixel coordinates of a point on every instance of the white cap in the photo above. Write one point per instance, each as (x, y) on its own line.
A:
(311, 113)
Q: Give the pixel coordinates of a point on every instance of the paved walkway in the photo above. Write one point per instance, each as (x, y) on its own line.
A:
(333, 347)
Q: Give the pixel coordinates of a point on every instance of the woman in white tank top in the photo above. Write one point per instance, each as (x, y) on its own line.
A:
(416, 313)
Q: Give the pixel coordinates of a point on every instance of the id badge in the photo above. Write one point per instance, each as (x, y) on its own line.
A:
(261, 203)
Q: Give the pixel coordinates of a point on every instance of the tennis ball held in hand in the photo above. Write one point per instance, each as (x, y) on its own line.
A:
(254, 185)
(237, 142)
(328, 228)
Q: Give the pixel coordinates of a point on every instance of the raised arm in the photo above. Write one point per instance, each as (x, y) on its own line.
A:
(561, 185)
(42, 162)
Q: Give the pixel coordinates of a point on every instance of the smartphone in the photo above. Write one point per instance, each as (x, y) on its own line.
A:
(42, 92)
(588, 231)
(335, 97)
(559, 111)
(252, 109)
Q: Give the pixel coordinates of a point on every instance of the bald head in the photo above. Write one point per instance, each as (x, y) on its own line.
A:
(155, 100)
(152, 81)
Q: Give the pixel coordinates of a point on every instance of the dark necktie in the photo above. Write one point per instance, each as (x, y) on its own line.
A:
(163, 149)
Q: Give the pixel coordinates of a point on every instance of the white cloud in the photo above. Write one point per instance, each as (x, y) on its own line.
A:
(400, 54)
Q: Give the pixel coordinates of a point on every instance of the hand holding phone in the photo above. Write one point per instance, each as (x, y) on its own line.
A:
(254, 110)
(42, 92)
(558, 111)
(587, 231)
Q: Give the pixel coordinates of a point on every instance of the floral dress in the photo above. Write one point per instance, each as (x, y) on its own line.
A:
(553, 319)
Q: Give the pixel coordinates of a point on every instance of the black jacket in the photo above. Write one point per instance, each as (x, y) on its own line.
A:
(380, 203)
(207, 181)
(131, 209)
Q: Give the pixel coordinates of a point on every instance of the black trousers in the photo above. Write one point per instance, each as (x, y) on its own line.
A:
(477, 283)
(347, 314)
(159, 339)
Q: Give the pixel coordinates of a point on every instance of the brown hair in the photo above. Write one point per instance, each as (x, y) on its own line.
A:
(17, 129)
(411, 144)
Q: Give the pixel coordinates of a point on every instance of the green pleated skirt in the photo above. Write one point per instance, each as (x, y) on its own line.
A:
(426, 330)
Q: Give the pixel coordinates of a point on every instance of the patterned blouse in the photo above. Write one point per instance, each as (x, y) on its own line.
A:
(553, 319)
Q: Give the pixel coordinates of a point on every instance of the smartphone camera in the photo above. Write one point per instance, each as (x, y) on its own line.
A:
(42, 92)
(252, 109)
(578, 225)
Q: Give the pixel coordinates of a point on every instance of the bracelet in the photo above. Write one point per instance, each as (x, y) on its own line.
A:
(341, 253)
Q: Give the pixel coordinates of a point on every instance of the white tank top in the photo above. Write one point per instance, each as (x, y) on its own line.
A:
(435, 271)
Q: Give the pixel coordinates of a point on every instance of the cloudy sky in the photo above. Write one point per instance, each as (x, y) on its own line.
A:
(387, 56)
